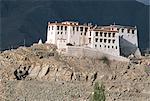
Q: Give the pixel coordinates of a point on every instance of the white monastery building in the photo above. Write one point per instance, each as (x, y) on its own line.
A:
(113, 39)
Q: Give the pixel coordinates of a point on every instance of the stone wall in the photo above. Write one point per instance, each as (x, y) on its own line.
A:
(92, 53)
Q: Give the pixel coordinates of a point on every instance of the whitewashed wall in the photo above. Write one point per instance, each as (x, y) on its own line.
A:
(93, 53)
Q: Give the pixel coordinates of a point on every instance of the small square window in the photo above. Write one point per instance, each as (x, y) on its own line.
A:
(109, 40)
(101, 33)
(77, 28)
(99, 45)
(89, 40)
(122, 30)
(96, 33)
(105, 40)
(132, 31)
(73, 28)
(81, 28)
(57, 27)
(61, 27)
(128, 30)
(109, 34)
(113, 34)
(116, 47)
(65, 27)
(108, 46)
(95, 45)
(101, 40)
(52, 27)
(90, 33)
(96, 39)
(84, 33)
(57, 32)
(105, 34)
(112, 46)
(86, 29)
(113, 41)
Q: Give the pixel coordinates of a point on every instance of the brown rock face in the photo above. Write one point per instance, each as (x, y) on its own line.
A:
(123, 81)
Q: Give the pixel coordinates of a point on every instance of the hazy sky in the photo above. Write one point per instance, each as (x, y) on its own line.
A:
(147, 2)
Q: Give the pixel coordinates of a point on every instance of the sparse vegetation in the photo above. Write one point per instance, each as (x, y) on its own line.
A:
(147, 69)
(99, 94)
(105, 60)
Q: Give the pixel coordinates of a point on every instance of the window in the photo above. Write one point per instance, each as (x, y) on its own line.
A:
(61, 32)
(112, 46)
(73, 28)
(99, 45)
(52, 27)
(61, 27)
(89, 40)
(113, 41)
(65, 27)
(86, 29)
(108, 46)
(132, 31)
(105, 40)
(113, 34)
(95, 45)
(77, 28)
(96, 39)
(109, 34)
(105, 34)
(57, 32)
(105, 46)
(128, 30)
(96, 33)
(109, 40)
(117, 29)
(49, 28)
(90, 33)
(122, 30)
(101, 40)
(57, 27)
(84, 33)
(101, 33)
(116, 47)
(81, 33)
(81, 28)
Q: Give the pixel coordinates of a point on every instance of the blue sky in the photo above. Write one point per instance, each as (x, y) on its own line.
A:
(147, 2)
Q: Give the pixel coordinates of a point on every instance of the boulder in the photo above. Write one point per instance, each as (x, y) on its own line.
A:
(35, 71)
(44, 70)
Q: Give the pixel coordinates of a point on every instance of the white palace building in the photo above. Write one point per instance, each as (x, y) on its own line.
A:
(113, 39)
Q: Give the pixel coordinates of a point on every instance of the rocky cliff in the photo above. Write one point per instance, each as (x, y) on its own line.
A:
(40, 73)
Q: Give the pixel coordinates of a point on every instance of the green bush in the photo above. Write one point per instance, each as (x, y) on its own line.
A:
(99, 93)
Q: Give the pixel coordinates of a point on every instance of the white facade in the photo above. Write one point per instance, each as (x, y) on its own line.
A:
(103, 38)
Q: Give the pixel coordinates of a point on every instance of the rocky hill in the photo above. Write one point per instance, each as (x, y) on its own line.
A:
(40, 73)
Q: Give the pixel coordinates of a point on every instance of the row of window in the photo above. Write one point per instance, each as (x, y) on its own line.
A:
(61, 32)
(105, 40)
(106, 46)
(128, 31)
(104, 34)
(65, 28)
